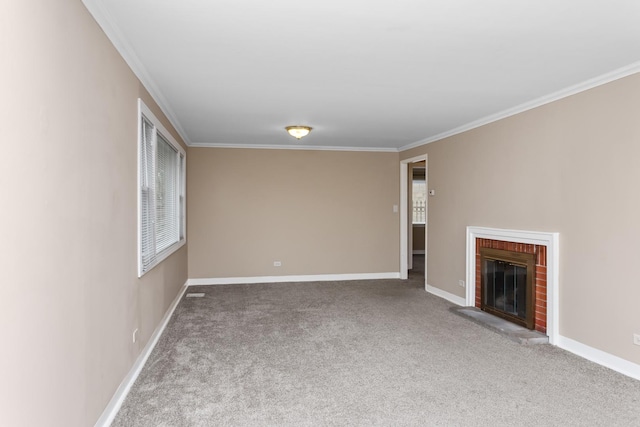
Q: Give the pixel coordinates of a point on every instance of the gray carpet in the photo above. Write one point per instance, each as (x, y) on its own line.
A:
(360, 353)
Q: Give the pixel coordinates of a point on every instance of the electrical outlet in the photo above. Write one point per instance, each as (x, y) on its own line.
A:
(461, 283)
(636, 339)
(277, 263)
(135, 335)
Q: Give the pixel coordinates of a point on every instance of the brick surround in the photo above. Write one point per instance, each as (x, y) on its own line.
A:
(540, 274)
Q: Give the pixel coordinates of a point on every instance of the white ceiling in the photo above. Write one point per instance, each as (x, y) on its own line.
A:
(375, 74)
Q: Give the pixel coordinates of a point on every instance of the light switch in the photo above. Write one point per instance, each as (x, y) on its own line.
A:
(432, 192)
(395, 208)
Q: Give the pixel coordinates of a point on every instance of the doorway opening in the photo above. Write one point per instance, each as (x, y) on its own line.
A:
(418, 208)
(413, 217)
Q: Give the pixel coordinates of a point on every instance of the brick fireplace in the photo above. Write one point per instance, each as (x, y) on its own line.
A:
(545, 248)
(540, 278)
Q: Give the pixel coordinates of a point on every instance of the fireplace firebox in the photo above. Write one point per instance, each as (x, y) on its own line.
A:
(507, 285)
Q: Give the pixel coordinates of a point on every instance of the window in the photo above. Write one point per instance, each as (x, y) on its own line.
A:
(161, 192)
(419, 198)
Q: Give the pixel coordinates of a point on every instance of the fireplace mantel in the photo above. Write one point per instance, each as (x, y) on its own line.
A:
(550, 240)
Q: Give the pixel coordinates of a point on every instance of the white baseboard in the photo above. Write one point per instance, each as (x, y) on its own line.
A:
(446, 295)
(114, 405)
(600, 357)
(284, 279)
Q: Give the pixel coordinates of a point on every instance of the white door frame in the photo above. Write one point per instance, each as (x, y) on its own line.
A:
(404, 216)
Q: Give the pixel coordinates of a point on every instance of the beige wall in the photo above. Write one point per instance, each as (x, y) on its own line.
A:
(71, 298)
(571, 167)
(318, 212)
(70, 293)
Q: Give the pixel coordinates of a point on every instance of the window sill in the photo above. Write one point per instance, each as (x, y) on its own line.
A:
(162, 256)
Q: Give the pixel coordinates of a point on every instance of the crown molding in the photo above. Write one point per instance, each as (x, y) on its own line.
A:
(555, 96)
(114, 34)
(294, 147)
(104, 19)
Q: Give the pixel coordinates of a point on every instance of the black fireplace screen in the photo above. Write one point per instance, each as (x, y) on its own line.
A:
(507, 285)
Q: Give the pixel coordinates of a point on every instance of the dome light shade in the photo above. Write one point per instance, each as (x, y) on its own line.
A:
(298, 132)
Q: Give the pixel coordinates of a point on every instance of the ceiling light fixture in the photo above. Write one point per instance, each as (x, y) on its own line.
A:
(298, 132)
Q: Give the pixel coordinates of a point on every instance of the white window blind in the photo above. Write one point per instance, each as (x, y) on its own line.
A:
(167, 170)
(147, 208)
(161, 197)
